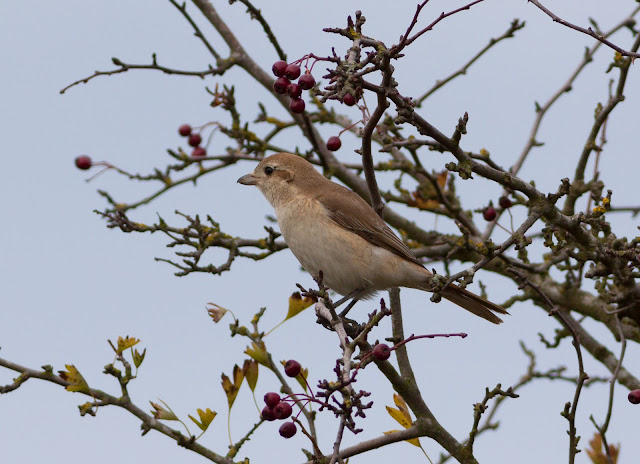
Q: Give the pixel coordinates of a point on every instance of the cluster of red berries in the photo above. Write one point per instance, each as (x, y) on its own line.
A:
(194, 140)
(83, 162)
(286, 73)
(490, 213)
(277, 408)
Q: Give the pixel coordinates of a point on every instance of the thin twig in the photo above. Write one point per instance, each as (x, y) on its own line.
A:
(515, 26)
(541, 110)
(570, 408)
(602, 429)
(124, 67)
(256, 14)
(198, 33)
(588, 31)
(409, 41)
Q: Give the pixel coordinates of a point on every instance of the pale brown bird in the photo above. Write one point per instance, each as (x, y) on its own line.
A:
(330, 228)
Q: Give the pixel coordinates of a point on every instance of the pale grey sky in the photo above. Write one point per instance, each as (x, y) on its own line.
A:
(70, 283)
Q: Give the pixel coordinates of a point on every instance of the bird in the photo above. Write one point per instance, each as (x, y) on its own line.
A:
(331, 229)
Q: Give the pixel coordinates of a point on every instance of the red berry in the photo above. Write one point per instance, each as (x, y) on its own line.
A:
(294, 90)
(634, 396)
(83, 162)
(288, 429)
(198, 152)
(489, 213)
(292, 368)
(348, 99)
(282, 410)
(292, 71)
(504, 202)
(268, 414)
(271, 399)
(278, 68)
(184, 130)
(306, 81)
(280, 85)
(194, 140)
(297, 105)
(381, 352)
(334, 143)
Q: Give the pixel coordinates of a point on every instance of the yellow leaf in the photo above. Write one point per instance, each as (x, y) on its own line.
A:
(77, 383)
(403, 417)
(238, 376)
(426, 196)
(250, 369)
(259, 353)
(126, 343)
(596, 452)
(399, 417)
(229, 389)
(413, 441)
(206, 417)
(399, 401)
(297, 304)
(302, 377)
(87, 408)
(232, 389)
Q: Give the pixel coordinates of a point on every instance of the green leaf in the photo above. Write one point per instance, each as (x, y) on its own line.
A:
(138, 357)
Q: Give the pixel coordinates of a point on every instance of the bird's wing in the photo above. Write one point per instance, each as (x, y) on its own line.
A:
(351, 212)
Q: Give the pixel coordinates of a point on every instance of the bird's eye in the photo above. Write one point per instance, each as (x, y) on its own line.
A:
(269, 170)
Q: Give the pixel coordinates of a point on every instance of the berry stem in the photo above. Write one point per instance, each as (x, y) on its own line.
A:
(106, 165)
(351, 126)
(309, 387)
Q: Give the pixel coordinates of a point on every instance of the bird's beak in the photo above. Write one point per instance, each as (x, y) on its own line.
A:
(248, 179)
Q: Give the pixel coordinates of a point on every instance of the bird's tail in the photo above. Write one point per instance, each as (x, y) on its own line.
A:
(473, 303)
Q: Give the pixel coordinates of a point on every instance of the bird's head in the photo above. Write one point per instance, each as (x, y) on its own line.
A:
(281, 176)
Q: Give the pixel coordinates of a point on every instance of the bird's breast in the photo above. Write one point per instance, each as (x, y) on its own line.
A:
(348, 262)
(320, 244)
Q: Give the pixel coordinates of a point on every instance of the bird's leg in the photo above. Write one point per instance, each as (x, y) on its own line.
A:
(353, 328)
(355, 294)
(346, 310)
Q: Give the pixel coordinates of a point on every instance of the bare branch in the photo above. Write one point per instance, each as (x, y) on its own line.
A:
(587, 31)
(124, 67)
(516, 25)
